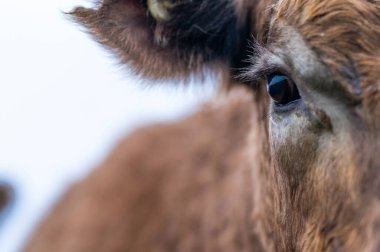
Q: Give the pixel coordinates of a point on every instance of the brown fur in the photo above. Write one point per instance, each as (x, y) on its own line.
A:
(232, 178)
(178, 196)
(5, 196)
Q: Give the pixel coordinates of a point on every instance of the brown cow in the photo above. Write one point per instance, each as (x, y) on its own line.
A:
(5, 196)
(298, 171)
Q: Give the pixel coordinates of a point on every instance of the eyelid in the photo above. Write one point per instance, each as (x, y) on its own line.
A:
(279, 70)
(260, 71)
(263, 64)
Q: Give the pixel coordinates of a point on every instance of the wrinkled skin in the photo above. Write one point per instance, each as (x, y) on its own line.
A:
(247, 172)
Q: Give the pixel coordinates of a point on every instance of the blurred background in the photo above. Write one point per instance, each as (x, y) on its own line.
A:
(64, 104)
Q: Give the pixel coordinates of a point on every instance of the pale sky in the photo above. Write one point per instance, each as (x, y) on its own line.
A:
(64, 103)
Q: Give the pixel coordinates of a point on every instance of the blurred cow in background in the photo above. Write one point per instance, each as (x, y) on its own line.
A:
(5, 196)
(295, 170)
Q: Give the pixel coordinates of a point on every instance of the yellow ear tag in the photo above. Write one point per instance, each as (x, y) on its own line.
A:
(160, 9)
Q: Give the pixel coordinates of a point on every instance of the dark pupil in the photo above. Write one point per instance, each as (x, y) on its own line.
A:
(282, 90)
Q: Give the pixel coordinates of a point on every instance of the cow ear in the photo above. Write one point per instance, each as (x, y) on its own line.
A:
(163, 39)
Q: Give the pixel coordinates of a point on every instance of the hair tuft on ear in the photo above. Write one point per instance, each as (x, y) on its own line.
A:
(171, 44)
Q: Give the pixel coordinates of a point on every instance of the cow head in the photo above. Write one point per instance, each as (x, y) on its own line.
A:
(321, 62)
(318, 60)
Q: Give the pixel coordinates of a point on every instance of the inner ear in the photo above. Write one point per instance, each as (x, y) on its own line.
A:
(173, 38)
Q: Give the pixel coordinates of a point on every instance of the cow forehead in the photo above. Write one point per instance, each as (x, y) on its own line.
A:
(345, 34)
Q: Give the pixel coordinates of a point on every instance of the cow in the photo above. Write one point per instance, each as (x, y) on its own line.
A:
(283, 158)
(5, 196)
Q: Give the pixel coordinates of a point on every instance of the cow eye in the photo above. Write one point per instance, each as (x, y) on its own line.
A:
(282, 90)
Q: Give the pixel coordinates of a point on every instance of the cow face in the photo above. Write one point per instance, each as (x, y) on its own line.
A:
(319, 61)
